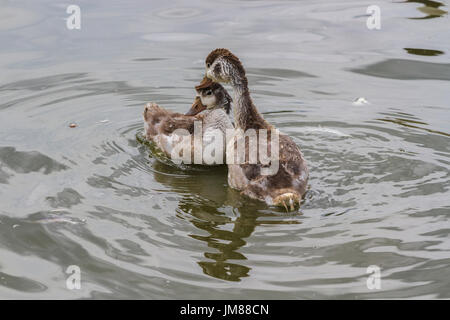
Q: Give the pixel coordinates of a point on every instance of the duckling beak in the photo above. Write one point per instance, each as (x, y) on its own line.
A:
(196, 108)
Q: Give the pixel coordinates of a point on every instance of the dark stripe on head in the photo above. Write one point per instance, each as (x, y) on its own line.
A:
(205, 84)
(225, 53)
(208, 84)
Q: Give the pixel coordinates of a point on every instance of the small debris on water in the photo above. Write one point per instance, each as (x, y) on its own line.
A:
(73, 125)
(15, 226)
(104, 121)
(360, 101)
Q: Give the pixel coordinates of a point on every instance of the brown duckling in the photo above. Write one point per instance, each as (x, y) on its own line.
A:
(208, 113)
(285, 187)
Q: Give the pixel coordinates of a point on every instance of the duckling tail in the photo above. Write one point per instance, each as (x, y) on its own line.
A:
(288, 198)
(151, 109)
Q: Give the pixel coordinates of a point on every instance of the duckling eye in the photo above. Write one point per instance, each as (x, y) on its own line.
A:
(208, 65)
(209, 92)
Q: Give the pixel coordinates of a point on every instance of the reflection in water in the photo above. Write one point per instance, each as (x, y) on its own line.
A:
(412, 124)
(13, 161)
(430, 8)
(226, 242)
(202, 204)
(179, 13)
(403, 69)
(424, 52)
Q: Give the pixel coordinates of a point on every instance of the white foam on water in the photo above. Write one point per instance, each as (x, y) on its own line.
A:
(325, 130)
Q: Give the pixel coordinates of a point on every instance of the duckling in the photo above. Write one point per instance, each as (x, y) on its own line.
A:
(283, 188)
(209, 113)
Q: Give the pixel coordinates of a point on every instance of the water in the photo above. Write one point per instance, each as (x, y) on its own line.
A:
(140, 227)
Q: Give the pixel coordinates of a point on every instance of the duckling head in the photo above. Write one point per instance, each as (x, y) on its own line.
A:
(210, 95)
(223, 66)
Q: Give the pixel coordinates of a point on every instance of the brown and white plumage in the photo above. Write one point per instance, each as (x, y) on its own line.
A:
(285, 187)
(211, 107)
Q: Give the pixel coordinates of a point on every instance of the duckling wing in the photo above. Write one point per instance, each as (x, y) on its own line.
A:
(292, 161)
(161, 125)
(290, 177)
(160, 121)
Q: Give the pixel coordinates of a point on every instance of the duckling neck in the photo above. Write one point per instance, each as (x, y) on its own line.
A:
(246, 115)
(214, 118)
